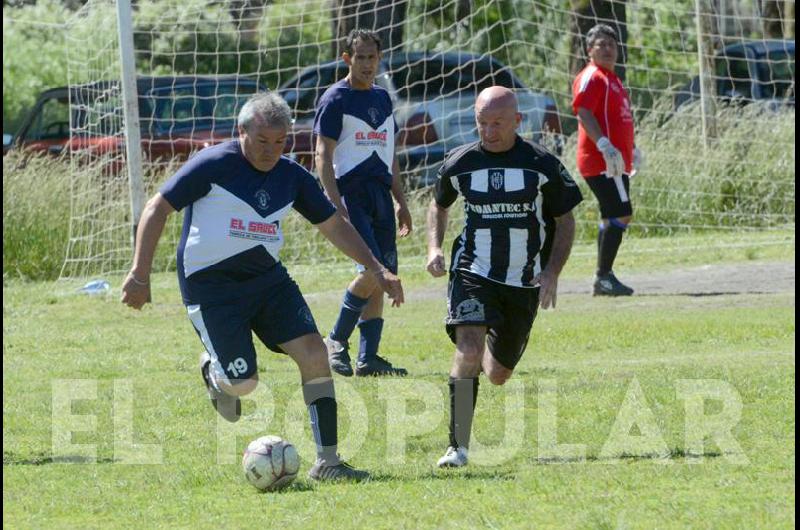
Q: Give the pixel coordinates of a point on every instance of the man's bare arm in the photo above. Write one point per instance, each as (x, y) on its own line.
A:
(562, 245)
(136, 288)
(324, 162)
(437, 225)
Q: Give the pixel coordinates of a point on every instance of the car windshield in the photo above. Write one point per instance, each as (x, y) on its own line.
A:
(776, 74)
(432, 77)
(196, 106)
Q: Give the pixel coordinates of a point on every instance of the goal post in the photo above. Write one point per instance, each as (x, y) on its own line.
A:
(436, 58)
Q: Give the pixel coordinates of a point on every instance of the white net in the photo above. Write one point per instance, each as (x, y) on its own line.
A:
(736, 174)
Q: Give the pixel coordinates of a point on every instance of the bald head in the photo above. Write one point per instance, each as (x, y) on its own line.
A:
(498, 118)
(496, 97)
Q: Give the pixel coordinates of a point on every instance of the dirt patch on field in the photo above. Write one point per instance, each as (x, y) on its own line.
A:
(706, 280)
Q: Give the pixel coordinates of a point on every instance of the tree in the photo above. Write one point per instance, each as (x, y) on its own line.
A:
(384, 16)
(587, 13)
(247, 15)
(778, 19)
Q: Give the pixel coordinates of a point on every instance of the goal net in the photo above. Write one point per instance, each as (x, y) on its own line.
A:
(723, 164)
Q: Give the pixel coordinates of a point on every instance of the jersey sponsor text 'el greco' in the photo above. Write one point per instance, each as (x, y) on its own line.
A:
(232, 231)
(363, 126)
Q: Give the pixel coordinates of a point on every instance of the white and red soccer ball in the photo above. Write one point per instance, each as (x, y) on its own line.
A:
(270, 463)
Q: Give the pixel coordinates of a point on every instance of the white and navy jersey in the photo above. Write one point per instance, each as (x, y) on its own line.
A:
(232, 230)
(362, 123)
(511, 200)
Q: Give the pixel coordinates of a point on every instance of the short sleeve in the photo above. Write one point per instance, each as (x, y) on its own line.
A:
(328, 119)
(561, 192)
(310, 202)
(588, 95)
(445, 194)
(190, 183)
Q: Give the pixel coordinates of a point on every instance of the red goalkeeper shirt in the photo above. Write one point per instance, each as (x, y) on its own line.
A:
(600, 91)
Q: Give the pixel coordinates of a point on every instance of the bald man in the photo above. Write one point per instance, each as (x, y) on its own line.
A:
(518, 232)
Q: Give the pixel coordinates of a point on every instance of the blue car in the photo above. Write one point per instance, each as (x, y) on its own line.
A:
(749, 71)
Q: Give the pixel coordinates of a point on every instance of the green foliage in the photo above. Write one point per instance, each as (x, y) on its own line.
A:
(34, 56)
(289, 36)
(35, 216)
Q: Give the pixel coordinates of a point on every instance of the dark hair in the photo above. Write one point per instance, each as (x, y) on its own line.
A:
(600, 30)
(364, 35)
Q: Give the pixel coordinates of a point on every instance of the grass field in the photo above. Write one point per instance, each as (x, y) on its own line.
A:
(593, 367)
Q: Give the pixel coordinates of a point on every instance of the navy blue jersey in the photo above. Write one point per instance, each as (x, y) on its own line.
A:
(363, 126)
(511, 200)
(232, 224)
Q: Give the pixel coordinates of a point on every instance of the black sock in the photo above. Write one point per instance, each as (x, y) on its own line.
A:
(463, 396)
(612, 238)
(321, 401)
(600, 233)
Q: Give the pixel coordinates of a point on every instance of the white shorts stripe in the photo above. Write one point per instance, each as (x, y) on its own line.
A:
(215, 371)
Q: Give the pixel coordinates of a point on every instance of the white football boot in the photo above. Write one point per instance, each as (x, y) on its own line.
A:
(454, 457)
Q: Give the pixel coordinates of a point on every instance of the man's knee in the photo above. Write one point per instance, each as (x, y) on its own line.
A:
(470, 343)
(364, 285)
(621, 222)
(496, 373)
(309, 352)
(240, 378)
(238, 386)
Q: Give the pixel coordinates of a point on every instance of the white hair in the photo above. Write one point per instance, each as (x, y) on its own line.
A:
(268, 109)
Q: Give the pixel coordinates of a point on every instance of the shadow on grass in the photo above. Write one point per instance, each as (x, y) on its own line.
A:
(11, 459)
(674, 454)
(704, 294)
(295, 487)
(447, 474)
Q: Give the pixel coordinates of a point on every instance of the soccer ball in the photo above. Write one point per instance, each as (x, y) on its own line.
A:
(270, 463)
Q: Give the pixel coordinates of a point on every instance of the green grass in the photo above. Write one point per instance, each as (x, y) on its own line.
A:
(591, 351)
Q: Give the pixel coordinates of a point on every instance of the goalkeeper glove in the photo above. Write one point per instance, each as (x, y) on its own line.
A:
(615, 165)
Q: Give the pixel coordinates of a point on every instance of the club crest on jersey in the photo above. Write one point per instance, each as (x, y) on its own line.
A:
(374, 115)
(262, 199)
(496, 179)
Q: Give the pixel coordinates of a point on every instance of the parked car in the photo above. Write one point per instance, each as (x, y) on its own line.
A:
(178, 115)
(749, 71)
(434, 97)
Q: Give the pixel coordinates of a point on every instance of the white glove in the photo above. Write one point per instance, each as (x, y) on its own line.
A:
(638, 160)
(615, 165)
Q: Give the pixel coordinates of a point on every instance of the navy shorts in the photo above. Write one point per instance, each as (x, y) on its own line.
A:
(371, 212)
(613, 195)
(275, 316)
(506, 310)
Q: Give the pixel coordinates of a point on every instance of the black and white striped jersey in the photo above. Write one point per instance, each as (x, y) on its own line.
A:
(511, 200)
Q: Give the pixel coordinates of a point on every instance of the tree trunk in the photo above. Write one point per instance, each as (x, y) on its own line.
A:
(386, 17)
(772, 18)
(788, 27)
(585, 15)
(246, 15)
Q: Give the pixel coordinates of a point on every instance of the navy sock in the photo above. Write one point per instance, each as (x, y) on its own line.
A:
(463, 397)
(371, 331)
(320, 398)
(348, 317)
(612, 239)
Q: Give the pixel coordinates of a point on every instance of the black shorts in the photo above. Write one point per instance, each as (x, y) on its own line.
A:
(614, 202)
(507, 311)
(275, 316)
